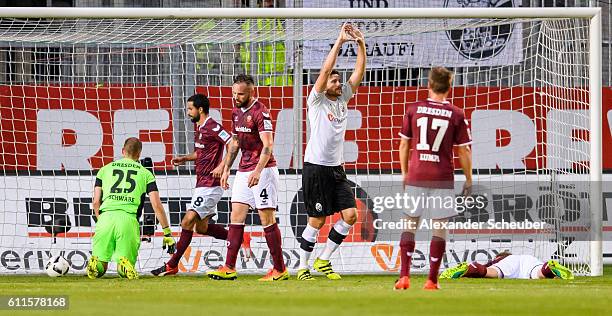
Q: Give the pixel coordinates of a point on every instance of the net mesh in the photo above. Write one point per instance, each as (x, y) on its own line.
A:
(71, 91)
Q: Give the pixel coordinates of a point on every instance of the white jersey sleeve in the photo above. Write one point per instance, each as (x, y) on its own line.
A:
(315, 98)
(347, 93)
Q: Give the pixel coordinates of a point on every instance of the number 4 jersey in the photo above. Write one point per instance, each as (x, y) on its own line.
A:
(433, 129)
(124, 184)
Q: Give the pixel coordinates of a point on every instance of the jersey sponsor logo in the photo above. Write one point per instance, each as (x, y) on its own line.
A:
(217, 128)
(268, 125)
(434, 111)
(224, 135)
(200, 145)
(243, 129)
(334, 119)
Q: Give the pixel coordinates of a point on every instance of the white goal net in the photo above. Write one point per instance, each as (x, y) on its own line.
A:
(73, 89)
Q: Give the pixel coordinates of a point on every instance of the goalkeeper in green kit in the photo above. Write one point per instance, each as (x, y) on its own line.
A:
(119, 194)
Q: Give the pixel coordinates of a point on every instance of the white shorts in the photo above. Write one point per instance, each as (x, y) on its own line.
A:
(204, 201)
(430, 203)
(261, 196)
(518, 267)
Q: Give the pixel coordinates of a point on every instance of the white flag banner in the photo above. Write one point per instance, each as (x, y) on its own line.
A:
(490, 45)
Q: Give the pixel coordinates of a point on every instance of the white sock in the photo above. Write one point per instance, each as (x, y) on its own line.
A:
(342, 227)
(330, 246)
(309, 234)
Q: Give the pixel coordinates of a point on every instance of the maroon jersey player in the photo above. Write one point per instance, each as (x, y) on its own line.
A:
(256, 183)
(429, 132)
(247, 126)
(210, 139)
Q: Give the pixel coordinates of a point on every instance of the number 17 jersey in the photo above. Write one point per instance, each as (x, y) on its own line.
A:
(433, 129)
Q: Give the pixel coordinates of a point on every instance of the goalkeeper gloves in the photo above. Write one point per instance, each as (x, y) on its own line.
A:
(168, 240)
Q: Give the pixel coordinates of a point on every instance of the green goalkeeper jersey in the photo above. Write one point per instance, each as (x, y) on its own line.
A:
(124, 184)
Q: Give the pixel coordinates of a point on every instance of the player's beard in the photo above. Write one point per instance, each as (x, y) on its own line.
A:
(242, 104)
(195, 118)
(334, 92)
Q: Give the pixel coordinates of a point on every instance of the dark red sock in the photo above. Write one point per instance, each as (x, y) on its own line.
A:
(181, 246)
(547, 272)
(273, 239)
(476, 270)
(217, 231)
(436, 252)
(234, 240)
(407, 249)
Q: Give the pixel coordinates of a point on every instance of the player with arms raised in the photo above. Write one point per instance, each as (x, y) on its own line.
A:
(210, 138)
(429, 131)
(256, 182)
(119, 193)
(508, 266)
(326, 188)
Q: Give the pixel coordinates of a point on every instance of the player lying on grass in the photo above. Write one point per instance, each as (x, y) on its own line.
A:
(210, 138)
(119, 194)
(509, 266)
(326, 188)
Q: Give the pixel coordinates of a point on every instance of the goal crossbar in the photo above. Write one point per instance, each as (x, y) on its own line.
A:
(299, 13)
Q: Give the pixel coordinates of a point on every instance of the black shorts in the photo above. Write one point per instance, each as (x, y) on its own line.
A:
(326, 190)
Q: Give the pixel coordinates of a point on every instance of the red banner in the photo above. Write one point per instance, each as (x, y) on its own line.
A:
(41, 123)
(22, 109)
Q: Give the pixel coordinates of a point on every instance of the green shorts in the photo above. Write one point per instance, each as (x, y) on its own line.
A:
(117, 235)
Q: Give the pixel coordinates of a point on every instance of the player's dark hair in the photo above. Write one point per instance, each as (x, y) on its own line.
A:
(244, 78)
(200, 101)
(133, 147)
(440, 79)
(503, 254)
(334, 72)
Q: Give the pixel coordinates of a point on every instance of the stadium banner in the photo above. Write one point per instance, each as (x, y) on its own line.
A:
(33, 207)
(501, 44)
(82, 127)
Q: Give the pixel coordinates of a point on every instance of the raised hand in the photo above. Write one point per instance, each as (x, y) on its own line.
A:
(345, 33)
(356, 34)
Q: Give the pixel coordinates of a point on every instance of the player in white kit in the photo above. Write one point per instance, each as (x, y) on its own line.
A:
(509, 266)
(326, 189)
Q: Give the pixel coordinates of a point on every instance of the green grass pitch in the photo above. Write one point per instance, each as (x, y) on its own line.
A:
(353, 295)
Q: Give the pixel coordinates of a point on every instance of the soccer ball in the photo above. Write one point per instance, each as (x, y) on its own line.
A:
(57, 266)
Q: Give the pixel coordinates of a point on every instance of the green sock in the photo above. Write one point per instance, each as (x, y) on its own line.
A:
(101, 269)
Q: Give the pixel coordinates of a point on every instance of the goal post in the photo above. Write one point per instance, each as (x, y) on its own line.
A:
(595, 104)
(75, 82)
